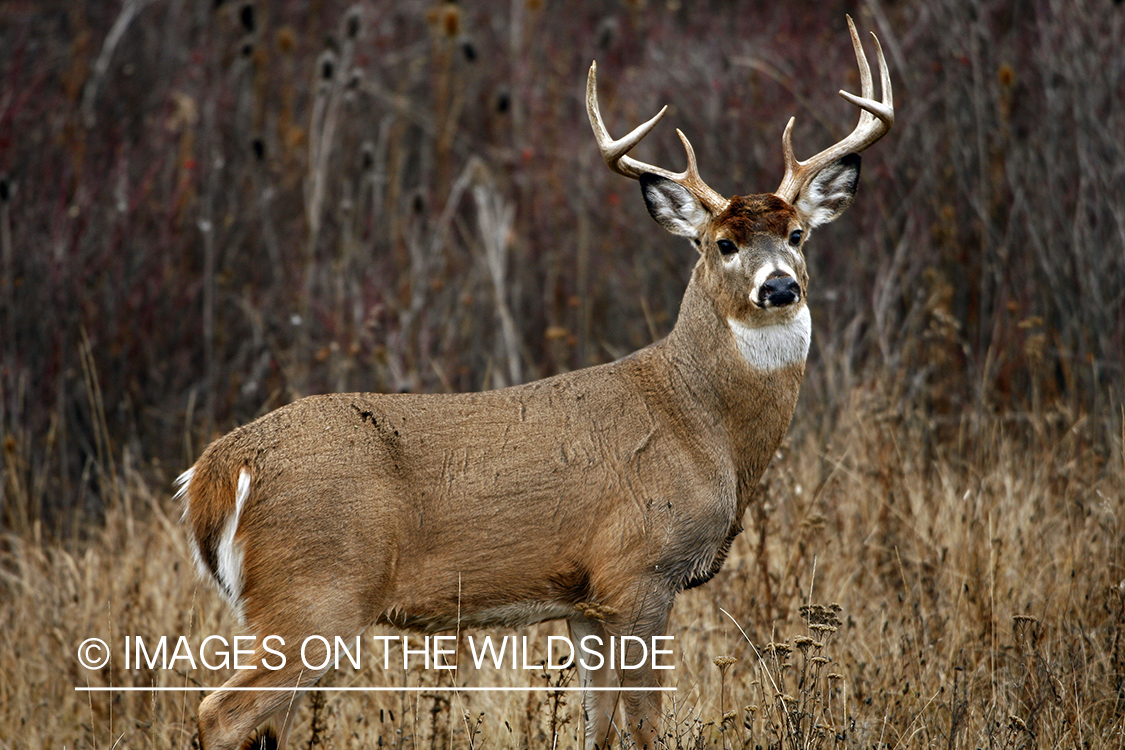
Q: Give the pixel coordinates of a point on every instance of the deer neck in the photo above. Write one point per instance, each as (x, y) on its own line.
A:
(746, 395)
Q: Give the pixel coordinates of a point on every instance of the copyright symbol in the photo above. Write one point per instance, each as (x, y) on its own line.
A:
(93, 653)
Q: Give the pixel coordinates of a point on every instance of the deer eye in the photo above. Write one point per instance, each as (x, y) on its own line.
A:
(795, 237)
(726, 247)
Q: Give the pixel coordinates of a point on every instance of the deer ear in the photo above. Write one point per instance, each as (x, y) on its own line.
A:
(830, 192)
(673, 206)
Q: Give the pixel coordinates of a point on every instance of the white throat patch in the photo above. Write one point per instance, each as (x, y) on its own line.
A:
(773, 347)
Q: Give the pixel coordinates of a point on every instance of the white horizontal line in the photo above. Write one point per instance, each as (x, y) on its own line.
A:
(195, 689)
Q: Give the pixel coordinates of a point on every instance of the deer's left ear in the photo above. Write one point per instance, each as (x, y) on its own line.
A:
(829, 193)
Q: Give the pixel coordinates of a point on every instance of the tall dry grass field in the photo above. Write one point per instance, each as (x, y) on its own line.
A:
(211, 207)
(886, 593)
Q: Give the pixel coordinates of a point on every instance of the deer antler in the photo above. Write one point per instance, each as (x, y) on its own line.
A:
(875, 119)
(615, 151)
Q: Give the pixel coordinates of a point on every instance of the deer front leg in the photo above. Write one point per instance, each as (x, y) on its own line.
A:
(618, 653)
(634, 662)
(598, 706)
(642, 704)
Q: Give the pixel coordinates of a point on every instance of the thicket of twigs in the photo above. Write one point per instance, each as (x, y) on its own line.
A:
(210, 208)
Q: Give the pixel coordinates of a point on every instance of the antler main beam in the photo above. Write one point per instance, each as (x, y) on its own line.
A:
(615, 152)
(875, 119)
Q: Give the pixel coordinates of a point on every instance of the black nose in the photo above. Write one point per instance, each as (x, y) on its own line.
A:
(779, 291)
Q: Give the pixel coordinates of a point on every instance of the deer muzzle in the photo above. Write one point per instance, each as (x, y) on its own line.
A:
(779, 291)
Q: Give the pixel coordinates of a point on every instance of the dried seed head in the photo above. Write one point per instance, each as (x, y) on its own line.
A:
(803, 642)
(286, 39)
(326, 66)
(723, 663)
(782, 649)
(595, 611)
(814, 521)
(451, 21)
(446, 19)
(1006, 75)
(822, 614)
(246, 15)
(353, 22)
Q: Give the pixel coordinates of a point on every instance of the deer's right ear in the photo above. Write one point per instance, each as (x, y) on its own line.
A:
(673, 206)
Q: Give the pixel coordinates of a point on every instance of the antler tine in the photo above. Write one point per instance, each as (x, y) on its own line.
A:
(615, 152)
(875, 119)
(612, 150)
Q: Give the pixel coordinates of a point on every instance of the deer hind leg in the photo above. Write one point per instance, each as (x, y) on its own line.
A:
(228, 717)
(275, 733)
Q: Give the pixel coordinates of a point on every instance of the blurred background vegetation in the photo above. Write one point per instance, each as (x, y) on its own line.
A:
(209, 208)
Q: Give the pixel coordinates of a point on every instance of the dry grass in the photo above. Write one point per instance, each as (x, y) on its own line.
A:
(888, 593)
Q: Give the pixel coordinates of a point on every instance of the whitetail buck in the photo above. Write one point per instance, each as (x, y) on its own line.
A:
(594, 496)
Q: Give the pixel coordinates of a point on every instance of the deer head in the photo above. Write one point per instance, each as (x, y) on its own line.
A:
(751, 246)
